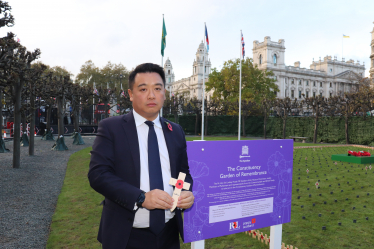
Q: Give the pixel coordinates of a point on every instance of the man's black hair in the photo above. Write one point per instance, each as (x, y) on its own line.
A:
(146, 68)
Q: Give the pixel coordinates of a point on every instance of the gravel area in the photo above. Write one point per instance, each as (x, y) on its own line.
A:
(28, 195)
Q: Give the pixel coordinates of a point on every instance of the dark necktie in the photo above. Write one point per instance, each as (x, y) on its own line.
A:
(157, 216)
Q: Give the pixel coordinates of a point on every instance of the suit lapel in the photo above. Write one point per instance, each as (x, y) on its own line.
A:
(132, 138)
(170, 145)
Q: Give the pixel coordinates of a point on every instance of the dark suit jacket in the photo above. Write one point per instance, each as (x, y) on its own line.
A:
(115, 173)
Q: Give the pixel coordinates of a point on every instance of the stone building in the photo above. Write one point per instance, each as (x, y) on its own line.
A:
(192, 86)
(327, 77)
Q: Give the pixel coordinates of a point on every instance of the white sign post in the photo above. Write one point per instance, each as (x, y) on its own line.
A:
(198, 244)
(276, 237)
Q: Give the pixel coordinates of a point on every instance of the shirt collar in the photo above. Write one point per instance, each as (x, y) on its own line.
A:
(139, 120)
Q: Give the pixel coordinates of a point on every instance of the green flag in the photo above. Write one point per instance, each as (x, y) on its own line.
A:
(163, 38)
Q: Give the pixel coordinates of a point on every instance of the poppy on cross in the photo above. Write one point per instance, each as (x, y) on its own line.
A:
(179, 184)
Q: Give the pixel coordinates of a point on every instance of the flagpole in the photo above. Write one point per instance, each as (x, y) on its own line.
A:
(240, 85)
(203, 93)
(162, 62)
(93, 107)
(342, 47)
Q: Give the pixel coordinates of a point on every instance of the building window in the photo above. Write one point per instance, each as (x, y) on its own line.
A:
(314, 94)
(285, 93)
(292, 94)
(299, 94)
(169, 80)
(260, 59)
(307, 94)
(275, 93)
(314, 83)
(330, 94)
(292, 82)
(299, 82)
(275, 59)
(205, 68)
(320, 94)
(330, 69)
(195, 69)
(330, 84)
(320, 84)
(275, 77)
(307, 83)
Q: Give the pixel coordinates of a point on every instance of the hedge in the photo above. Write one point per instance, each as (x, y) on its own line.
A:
(330, 129)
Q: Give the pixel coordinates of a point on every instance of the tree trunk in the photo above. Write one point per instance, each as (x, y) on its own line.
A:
(346, 130)
(315, 129)
(49, 112)
(60, 116)
(196, 123)
(243, 125)
(265, 119)
(75, 117)
(106, 109)
(1, 112)
(17, 128)
(32, 121)
(24, 123)
(284, 127)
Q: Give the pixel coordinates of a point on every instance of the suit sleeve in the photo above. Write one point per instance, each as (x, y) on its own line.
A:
(102, 175)
(184, 161)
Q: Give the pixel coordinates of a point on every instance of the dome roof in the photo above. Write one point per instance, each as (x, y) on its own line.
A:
(201, 46)
(167, 62)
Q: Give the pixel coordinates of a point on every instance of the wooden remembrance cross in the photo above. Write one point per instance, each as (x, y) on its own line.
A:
(179, 184)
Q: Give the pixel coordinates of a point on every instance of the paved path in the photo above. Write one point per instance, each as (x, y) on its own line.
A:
(28, 195)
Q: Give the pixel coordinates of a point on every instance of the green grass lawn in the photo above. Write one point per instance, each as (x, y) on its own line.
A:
(75, 222)
(77, 216)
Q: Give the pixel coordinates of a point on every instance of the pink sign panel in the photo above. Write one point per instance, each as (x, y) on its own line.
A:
(238, 186)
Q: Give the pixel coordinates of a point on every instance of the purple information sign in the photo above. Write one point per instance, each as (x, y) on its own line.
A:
(238, 186)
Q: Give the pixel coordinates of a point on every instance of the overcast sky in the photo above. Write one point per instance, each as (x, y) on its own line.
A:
(70, 32)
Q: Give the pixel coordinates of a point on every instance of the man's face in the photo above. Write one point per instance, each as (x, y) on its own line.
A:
(147, 95)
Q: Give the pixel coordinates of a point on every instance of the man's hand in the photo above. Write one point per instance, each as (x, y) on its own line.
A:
(157, 199)
(185, 200)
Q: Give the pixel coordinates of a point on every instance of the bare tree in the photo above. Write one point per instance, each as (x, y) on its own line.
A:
(248, 107)
(16, 74)
(283, 108)
(266, 105)
(349, 105)
(318, 105)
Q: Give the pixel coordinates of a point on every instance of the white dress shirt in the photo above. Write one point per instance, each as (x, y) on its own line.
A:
(142, 215)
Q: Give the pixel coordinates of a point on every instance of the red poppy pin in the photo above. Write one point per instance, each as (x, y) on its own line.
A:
(169, 126)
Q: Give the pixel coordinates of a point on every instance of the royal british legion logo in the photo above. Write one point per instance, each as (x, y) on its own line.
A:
(234, 225)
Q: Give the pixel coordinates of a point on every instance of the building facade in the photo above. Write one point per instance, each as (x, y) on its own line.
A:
(192, 86)
(327, 77)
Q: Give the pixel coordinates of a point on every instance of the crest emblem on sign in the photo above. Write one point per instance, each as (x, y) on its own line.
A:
(244, 151)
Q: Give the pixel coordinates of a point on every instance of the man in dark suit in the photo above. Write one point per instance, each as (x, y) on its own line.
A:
(132, 160)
